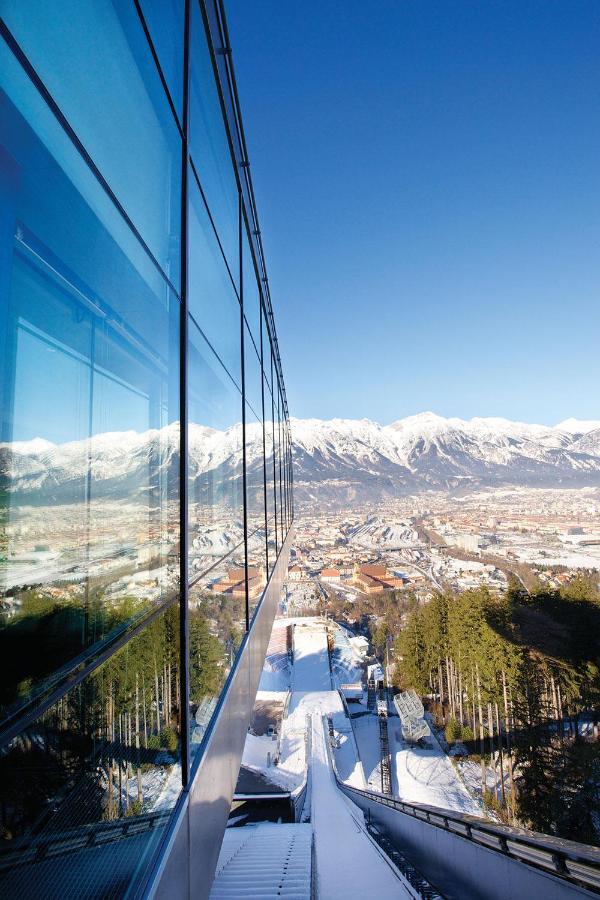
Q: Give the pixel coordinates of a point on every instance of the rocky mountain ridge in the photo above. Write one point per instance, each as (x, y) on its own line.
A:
(336, 460)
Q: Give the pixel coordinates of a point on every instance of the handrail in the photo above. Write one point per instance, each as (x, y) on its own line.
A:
(33, 849)
(569, 860)
(298, 795)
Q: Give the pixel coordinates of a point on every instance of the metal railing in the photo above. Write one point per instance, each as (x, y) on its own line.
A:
(299, 795)
(34, 849)
(576, 863)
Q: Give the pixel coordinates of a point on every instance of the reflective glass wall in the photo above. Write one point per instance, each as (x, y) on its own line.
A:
(145, 455)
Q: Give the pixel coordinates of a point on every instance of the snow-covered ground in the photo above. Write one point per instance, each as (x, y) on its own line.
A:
(377, 534)
(349, 864)
(470, 773)
(275, 675)
(357, 868)
(260, 752)
(425, 774)
(366, 732)
(311, 659)
(346, 754)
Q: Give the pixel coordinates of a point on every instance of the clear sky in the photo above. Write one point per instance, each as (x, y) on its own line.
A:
(428, 182)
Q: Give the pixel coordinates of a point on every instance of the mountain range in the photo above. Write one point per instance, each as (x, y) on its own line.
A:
(339, 460)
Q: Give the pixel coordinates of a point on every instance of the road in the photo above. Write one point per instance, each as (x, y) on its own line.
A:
(428, 573)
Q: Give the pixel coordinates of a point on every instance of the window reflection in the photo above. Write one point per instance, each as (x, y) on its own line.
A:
(217, 622)
(213, 302)
(95, 61)
(90, 436)
(215, 490)
(266, 351)
(253, 376)
(270, 482)
(279, 471)
(165, 22)
(251, 294)
(209, 146)
(255, 494)
(89, 403)
(257, 568)
(255, 501)
(87, 789)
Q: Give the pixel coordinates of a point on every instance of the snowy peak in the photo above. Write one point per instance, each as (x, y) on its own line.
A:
(370, 461)
(341, 459)
(578, 426)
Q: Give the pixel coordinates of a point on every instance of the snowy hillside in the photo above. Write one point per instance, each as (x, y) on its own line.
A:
(340, 460)
(378, 533)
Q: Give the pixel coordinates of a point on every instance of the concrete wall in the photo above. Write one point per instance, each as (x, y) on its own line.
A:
(462, 869)
(188, 863)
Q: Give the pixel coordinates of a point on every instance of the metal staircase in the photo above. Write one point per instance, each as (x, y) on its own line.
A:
(371, 695)
(386, 774)
(264, 861)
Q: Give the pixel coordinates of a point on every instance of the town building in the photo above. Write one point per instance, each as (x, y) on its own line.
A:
(374, 579)
(330, 574)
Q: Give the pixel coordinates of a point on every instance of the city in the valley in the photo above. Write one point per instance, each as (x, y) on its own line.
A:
(437, 541)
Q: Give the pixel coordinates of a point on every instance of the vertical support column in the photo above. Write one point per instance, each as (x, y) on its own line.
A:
(184, 698)
(242, 350)
(262, 395)
(275, 509)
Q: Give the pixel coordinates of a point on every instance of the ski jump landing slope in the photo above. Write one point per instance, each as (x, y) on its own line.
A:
(349, 865)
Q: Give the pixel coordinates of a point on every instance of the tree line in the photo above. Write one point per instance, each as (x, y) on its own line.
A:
(90, 757)
(516, 677)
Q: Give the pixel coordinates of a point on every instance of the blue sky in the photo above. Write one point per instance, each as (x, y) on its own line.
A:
(428, 182)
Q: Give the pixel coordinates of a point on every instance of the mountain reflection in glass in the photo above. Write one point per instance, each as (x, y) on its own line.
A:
(89, 403)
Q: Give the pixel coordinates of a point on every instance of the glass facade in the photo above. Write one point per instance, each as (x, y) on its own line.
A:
(145, 455)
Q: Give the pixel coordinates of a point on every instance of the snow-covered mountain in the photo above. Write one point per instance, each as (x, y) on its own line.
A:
(579, 426)
(340, 459)
(362, 459)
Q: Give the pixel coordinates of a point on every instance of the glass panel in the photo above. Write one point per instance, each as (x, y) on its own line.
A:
(215, 458)
(95, 61)
(289, 479)
(212, 300)
(276, 477)
(254, 472)
(253, 377)
(88, 788)
(165, 21)
(255, 505)
(271, 544)
(284, 484)
(217, 604)
(88, 409)
(251, 295)
(280, 474)
(270, 493)
(209, 146)
(266, 351)
(257, 568)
